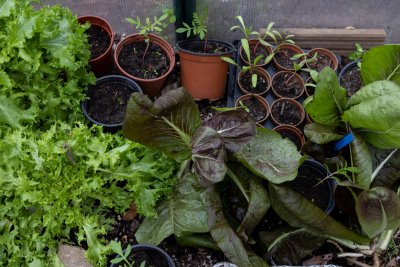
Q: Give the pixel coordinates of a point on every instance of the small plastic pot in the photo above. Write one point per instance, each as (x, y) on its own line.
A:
(322, 51)
(291, 102)
(308, 88)
(103, 63)
(296, 133)
(292, 47)
(252, 44)
(167, 258)
(132, 85)
(346, 69)
(259, 71)
(295, 76)
(260, 100)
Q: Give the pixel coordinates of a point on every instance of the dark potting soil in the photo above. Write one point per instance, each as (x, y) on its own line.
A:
(255, 51)
(99, 41)
(257, 110)
(351, 80)
(291, 136)
(283, 57)
(206, 107)
(320, 62)
(153, 65)
(150, 257)
(209, 48)
(246, 83)
(107, 102)
(287, 85)
(285, 112)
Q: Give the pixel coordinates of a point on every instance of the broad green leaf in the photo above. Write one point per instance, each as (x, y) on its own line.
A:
(381, 63)
(116, 247)
(5, 7)
(12, 114)
(322, 134)
(271, 157)
(375, 111)
(300, 212)
(182, 214)
(362, 160)
(167, 124)
(378, 209)
(328, 102)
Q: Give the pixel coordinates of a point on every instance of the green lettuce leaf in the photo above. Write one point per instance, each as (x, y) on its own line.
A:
(362, 160)
(321, 134)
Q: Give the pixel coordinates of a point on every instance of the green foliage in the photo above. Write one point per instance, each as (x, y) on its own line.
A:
(123, 255)
(247, 31)
(198, 28)
(358, 54)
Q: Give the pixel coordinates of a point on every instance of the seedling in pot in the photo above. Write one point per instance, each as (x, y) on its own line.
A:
(198, 28)
(299, 66)
(357, 55)
(240, 106)
(123, 260)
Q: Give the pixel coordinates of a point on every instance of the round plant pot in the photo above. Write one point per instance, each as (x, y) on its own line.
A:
(286, 111)
(292, 133)
(108, 99)
(309, 90)
(324, 59)
(261, 88)
(224, 264)
(103, 63)
(152, 87)
(287, 84)
(283, 53)
(310, 173)
(258, 106)
(204, 74)
(350, 78)
(260, 49)
(149, 254)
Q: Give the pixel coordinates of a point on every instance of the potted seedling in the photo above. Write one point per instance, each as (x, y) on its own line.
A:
(203, 72)
(350, 76)
(256, 105)
(324, 59)
(287, 111)
(145, 57)
(292, 133)
(284, 52)
(311, 83)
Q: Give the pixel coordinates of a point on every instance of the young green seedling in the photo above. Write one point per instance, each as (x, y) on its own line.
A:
(198, 28)
(241, 106)
(299, 66)
(357, 55)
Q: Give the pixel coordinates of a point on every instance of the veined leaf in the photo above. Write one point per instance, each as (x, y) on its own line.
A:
(321, 134)
(362, 160)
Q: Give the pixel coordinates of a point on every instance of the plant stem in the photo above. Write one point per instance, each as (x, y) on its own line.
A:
(145, 51)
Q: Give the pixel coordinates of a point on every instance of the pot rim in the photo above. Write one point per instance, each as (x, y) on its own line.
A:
(266, 76)
(296, 75)
(294, 129)
(326, 52)
(229, 45)
(262, 100)
(347, 67)
(295, 103)
(294, 47)
(270, 50)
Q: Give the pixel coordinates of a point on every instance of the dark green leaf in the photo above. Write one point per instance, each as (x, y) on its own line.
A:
(321, 134)
(389, 175)
(362, 160)
(197, 241)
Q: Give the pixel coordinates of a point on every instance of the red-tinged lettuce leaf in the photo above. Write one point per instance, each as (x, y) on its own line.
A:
(381, 63)
(362, 160)
(167, 124)
(236, 127)
(271, 157)
(321, 134)
(378, 209)
(300, 212)
(182, 214)
(328, 102)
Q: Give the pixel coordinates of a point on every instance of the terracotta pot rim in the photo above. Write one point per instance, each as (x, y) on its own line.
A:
(294, 129)
(266, 76)
(130, 39)
(296, 75)
(293, 47)
(327, 52)
(251, 41)
(179, 44)
(302, 112)
(262, 101)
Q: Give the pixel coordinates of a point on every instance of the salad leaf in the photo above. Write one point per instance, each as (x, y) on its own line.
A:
(362, 159)
(321, 134)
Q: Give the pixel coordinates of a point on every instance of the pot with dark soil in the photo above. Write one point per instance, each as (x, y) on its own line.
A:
(324, 59)
(350, 78)
(107, 100)
(149, 64)
(203, 72)
(256, 49)
(287, 84)
(291, 133)
(283, 55)
(263, 81)
(287, 111)
(308, 88)
(256, 105)
(101, 39)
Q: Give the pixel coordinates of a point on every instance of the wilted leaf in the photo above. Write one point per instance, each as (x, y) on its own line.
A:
(322, 134)
(362, 160)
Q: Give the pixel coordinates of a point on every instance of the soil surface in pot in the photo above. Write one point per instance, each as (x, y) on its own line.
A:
(246, 83)
(256, 109)
(351, 80)
(287, 85)
(255, 51)
(153, 65)
(291, 136)
(285, 112)
(283, 58)
(99, 41)
(210, 48)
(320, 62)
(107, 102)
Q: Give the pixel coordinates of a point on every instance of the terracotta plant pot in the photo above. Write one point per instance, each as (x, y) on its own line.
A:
(102, 64)
(284, 106)
(252, 44)
(326, 54)
(292, 78)
(151, 87)
(261, 73)
(260, 101)
(203, 74)
(292, 50)
(292, 133)
(309, 90)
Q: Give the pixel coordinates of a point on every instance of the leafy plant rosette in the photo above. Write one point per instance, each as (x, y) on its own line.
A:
(228, 147)
(372, 115)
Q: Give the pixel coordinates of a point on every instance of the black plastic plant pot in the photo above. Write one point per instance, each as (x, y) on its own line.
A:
(149, 254)
(347, 85)
(107, 101)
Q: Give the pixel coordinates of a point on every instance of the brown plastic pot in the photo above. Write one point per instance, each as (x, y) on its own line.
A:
(322, 51)
(252, 44)
(104, 63)
(308, 81)
(294, 48)
(259, 71)
(282, 129)
(291, 102)
(295, 76)
(261, 100)
(203, 74)
(151, 87)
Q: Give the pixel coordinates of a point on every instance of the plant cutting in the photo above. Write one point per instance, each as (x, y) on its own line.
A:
(256, 105)
(284, 53)
(287, 84)
(324, 59)
(287, 111)
(145, 57)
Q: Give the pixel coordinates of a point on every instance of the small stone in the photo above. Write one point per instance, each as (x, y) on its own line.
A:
(72, 256)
